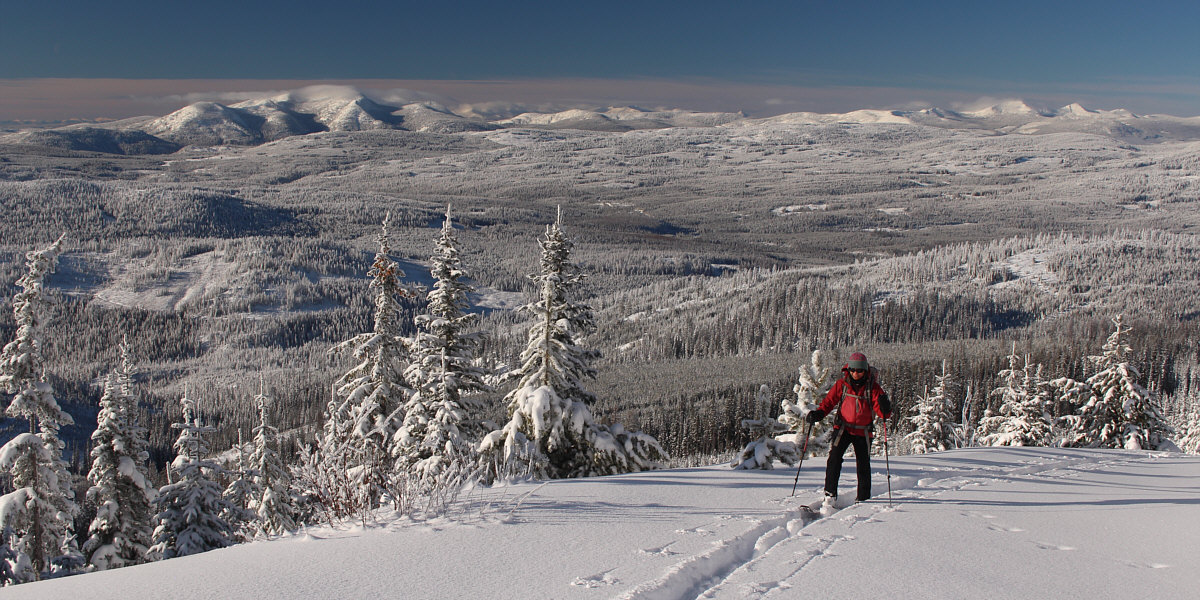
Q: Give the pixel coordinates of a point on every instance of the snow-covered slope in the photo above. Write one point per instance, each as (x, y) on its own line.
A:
(301, 112)
(1014, 116)
(95, 139)
(1120, 124)
(620, 119)
(208, 123)
(434, 118)
(858, 116)
(995, 523)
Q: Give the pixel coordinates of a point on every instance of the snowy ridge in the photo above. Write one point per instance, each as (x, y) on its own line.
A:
(621, 117)
(207, 123)
(858, 116)
(1002, 523)
(338, 108)
(1004, 107)
(1010, 117)
(300, 112)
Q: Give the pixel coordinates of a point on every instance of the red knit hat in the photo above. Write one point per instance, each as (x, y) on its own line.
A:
(858, 360)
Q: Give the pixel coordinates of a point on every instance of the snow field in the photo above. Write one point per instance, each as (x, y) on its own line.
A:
(983, 522)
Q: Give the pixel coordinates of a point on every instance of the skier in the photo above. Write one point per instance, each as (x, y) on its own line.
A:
(857, 398)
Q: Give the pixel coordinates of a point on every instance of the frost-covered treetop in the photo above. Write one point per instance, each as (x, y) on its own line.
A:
(22, 368)
(21, 359)
(1115, 349)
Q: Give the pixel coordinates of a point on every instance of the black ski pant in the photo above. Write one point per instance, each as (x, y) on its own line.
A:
(862, 458)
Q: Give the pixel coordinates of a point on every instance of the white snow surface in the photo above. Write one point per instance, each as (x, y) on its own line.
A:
(993, 523)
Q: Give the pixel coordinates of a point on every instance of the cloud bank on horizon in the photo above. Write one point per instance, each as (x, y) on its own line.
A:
(82, 60)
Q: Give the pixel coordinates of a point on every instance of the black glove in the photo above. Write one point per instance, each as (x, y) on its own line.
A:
(814, 416)
(885, 405)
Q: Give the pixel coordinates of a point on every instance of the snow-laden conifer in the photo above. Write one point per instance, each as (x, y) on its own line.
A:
(36, 512)
(41, 508)
(119, 535)
(933, 423)
(22, 367)
(14, 567)
(190, 506)
(1066, 396)
(1190, 440)
(1023, 417)
(763, 448)
(368, 404)
(551, 432)
(436, 445)
(273, 508)
(1008, 394)
(1119, 412)
(814, 382)
(240, 490)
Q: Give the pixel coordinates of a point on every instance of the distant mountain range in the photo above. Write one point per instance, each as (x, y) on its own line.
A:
(329, 108)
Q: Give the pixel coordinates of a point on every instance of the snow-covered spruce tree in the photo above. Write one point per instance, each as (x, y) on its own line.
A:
(240, 489)
(190, 507)
(108, 445)
(551, 432)
(933, 423)
(1119, 413)
(22, 367)
(926, 421)
(1041, 394)
(273, 508)
(436, 445)
(1190, 440)
(33, 513)
(1066, 396)
(368, 404)
(815, 380)
(41, 509)
(13, 570)
(1023, 418)
(119, 535)
(763, 448)
(1009, 394)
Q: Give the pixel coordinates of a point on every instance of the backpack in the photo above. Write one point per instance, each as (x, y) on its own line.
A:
(841, 424)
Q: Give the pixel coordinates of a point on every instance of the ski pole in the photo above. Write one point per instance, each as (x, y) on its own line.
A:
(887, 463)
(807, 434)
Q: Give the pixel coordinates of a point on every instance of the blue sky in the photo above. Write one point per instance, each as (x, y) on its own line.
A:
(1139, 55)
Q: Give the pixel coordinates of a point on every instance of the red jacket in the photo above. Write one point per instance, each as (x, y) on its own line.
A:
(856, 402)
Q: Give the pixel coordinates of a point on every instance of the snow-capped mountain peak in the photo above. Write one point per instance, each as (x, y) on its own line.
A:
(1011, 107)
(1075, 110)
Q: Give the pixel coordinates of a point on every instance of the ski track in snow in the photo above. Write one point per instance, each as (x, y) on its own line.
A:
(735, 568)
